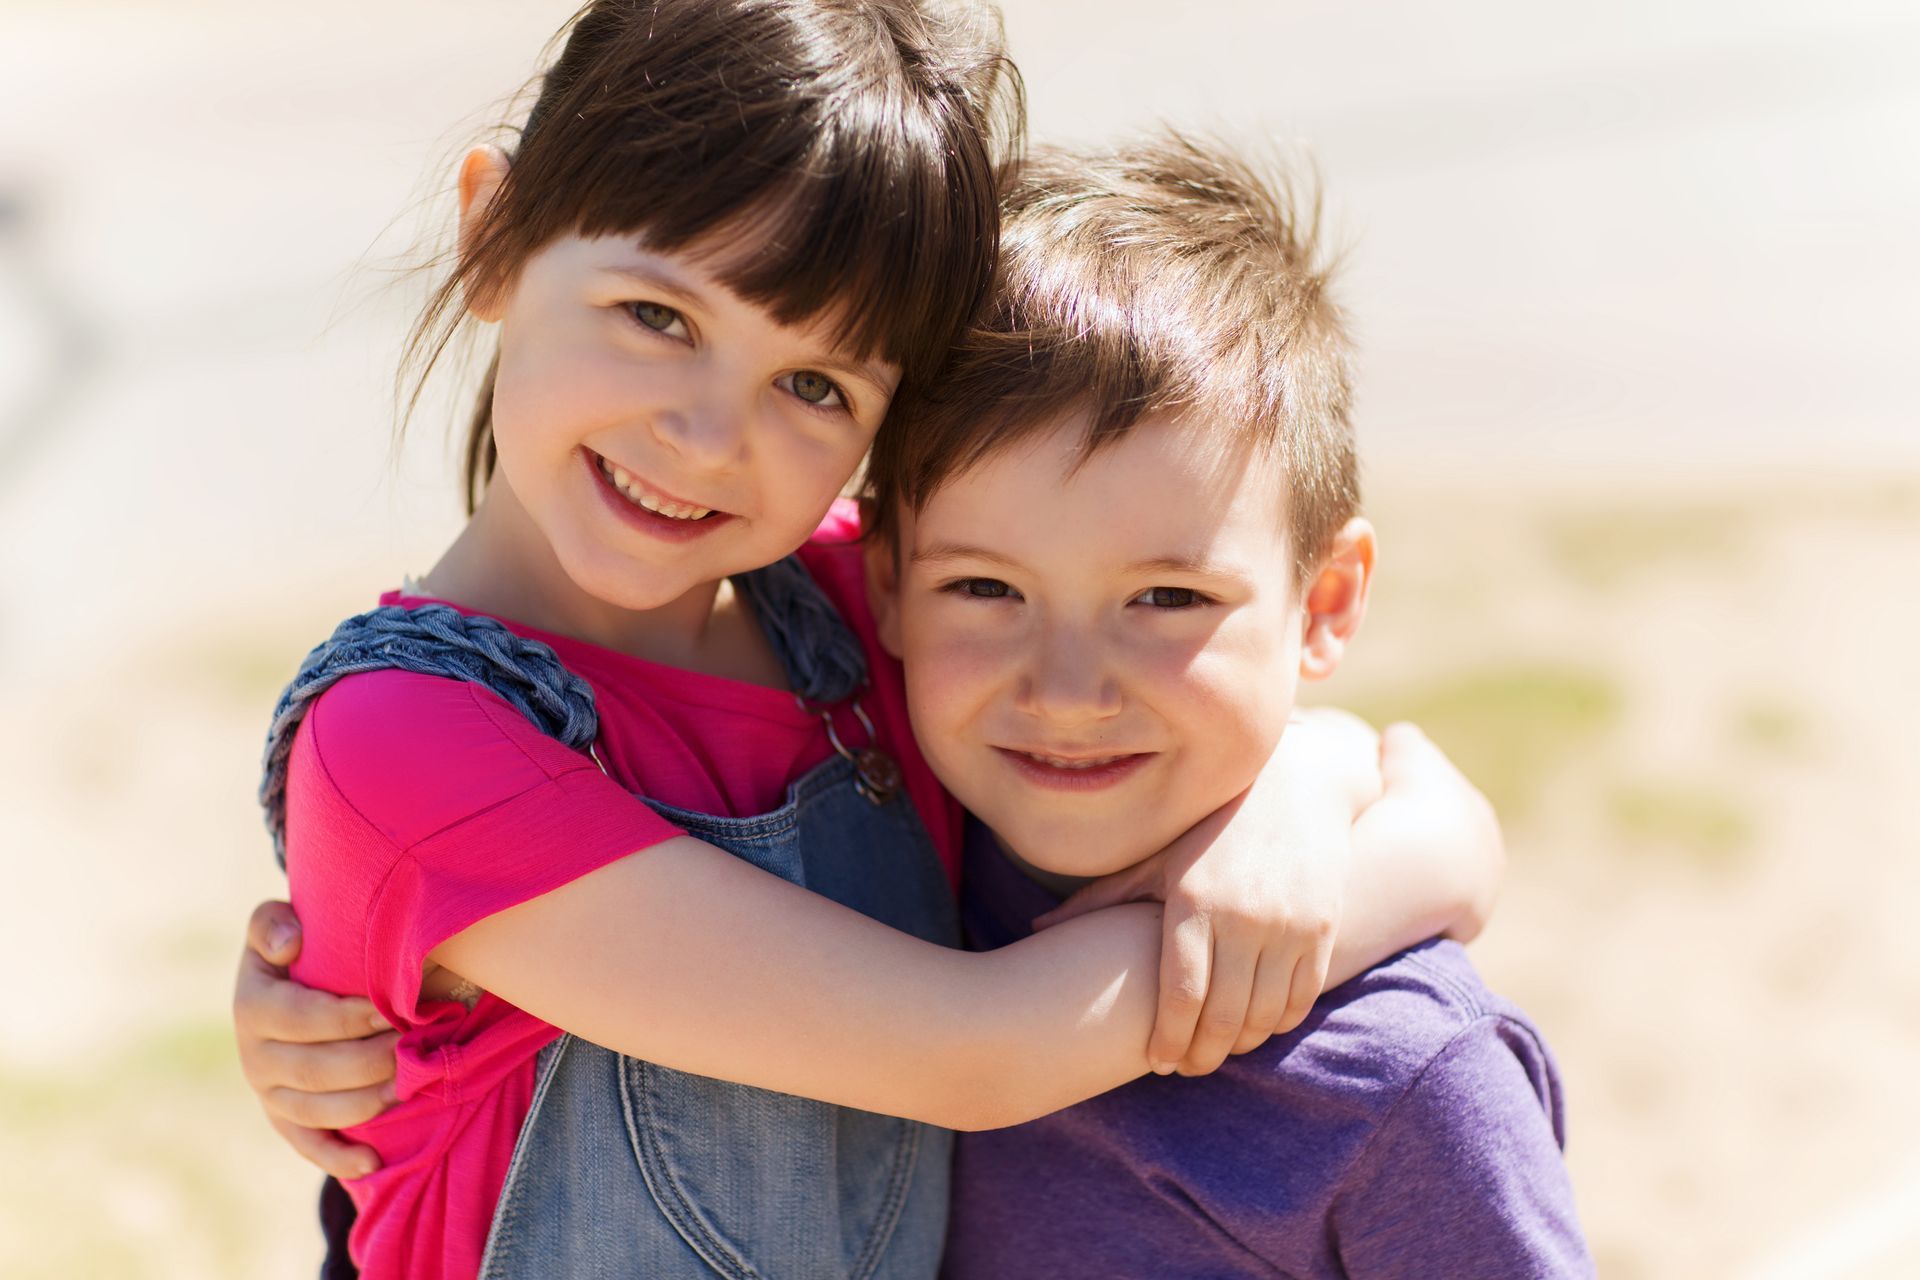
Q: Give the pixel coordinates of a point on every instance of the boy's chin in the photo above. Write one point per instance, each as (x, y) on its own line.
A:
(1079, 851)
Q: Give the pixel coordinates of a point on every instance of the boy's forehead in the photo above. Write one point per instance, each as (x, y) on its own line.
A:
(1170, 483)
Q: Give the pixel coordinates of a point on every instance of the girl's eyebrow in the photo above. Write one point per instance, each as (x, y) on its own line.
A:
(654, 280)
(873, 372)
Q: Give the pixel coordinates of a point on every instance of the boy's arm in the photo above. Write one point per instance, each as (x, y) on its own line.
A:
(1286, 891)
(1465, 1177)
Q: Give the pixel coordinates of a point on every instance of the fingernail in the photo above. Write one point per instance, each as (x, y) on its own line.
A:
(1161, 1068)
(390, 1093)
(377, 1022)
(280, 937)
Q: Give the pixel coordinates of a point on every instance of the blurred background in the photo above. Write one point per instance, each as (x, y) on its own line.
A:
(1636, 286)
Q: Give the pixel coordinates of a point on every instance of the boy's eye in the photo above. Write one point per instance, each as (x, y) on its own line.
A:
(1169, 597)
(814, 388)
(980, 588)
(658, 318)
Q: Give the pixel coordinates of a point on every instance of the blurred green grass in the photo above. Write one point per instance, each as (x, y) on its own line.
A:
(1510, 727)
(1690, 820)
(144, 1162)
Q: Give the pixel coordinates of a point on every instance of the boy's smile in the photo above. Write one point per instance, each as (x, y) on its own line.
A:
(1100, 650)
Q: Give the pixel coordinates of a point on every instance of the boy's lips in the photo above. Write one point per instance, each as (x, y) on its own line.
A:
(642, 506)
(1074, 772)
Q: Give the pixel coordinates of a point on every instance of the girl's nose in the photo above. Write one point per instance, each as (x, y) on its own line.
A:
(1067, 682)
(710, 434)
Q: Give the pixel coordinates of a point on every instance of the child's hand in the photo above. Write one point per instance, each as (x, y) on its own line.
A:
(1253, 894)
(308, 1055)
(1446, 826)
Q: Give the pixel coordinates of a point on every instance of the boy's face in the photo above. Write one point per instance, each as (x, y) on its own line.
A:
(1098, 657)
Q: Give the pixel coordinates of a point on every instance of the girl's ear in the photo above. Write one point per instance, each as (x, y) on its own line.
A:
(481, 173)
(1337, 599)
(883, 590)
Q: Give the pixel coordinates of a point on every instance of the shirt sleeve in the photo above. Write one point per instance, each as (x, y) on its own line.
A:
(1465, 1176)
(433, 804)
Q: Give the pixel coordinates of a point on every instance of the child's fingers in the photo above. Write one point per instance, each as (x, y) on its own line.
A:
(1408, 756)
(1272, 988)
(269, 1007)
(329, 1152)
(340, 1110)
(1186, 957)
(1225, 1011)
(330, 1067)
(1309, 979)
(273, 933)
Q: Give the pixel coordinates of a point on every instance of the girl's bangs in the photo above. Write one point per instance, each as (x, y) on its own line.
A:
(887, 244)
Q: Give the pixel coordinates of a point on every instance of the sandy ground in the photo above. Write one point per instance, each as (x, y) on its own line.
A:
(1636, 290)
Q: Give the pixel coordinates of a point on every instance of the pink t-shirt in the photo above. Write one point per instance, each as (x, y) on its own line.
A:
(417, 806)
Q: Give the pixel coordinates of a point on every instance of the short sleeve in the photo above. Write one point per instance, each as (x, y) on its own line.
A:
(418, 806)
(1465, 1176)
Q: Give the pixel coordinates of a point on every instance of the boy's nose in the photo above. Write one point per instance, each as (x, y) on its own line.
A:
(1068, 683)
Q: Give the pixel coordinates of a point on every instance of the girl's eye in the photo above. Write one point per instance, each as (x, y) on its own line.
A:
(1170, 597)
(814, 388)
(659, 319)
(980, 588)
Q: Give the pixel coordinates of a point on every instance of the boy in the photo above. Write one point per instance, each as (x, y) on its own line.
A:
(1107, 550)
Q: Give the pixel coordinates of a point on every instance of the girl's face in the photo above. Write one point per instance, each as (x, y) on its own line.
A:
(660, 431)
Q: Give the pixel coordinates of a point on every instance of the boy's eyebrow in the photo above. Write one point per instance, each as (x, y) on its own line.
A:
(1179, 564)
(942, 551)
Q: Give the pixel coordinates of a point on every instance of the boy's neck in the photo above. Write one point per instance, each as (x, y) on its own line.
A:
(1052, 881)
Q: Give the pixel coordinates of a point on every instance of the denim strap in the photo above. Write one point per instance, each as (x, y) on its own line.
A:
(431, 640)
(822, 658)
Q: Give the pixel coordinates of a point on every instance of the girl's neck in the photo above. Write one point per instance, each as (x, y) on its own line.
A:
(502, 565)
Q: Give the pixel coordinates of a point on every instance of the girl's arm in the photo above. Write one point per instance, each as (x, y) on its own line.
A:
(751, 979)
(1065, 1027)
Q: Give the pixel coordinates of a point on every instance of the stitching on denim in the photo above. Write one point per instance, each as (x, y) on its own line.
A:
(668, 1195)
(504, 1232)
(905, 1159)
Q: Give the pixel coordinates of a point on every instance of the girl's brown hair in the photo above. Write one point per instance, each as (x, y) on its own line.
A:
(843, 150)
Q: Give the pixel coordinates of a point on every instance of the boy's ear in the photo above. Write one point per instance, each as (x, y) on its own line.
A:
(1336, 599)
(481, 173)
(883, 589)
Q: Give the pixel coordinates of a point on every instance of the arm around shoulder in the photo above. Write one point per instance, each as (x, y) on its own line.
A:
(687, 956)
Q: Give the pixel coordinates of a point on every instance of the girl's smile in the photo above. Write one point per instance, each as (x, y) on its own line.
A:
(643, 507)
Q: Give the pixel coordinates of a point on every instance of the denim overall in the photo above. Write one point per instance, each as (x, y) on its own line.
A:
(628, 1168)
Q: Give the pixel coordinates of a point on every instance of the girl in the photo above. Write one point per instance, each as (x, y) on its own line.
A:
(730, 238)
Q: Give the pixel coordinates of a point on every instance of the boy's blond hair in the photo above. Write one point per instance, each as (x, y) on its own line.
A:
(1166, 276)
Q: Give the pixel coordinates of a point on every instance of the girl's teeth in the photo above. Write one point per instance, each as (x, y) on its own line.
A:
(1056, 763)
(630, 490)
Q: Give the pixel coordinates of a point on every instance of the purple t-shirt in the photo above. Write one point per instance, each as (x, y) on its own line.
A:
(1410, 1127)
